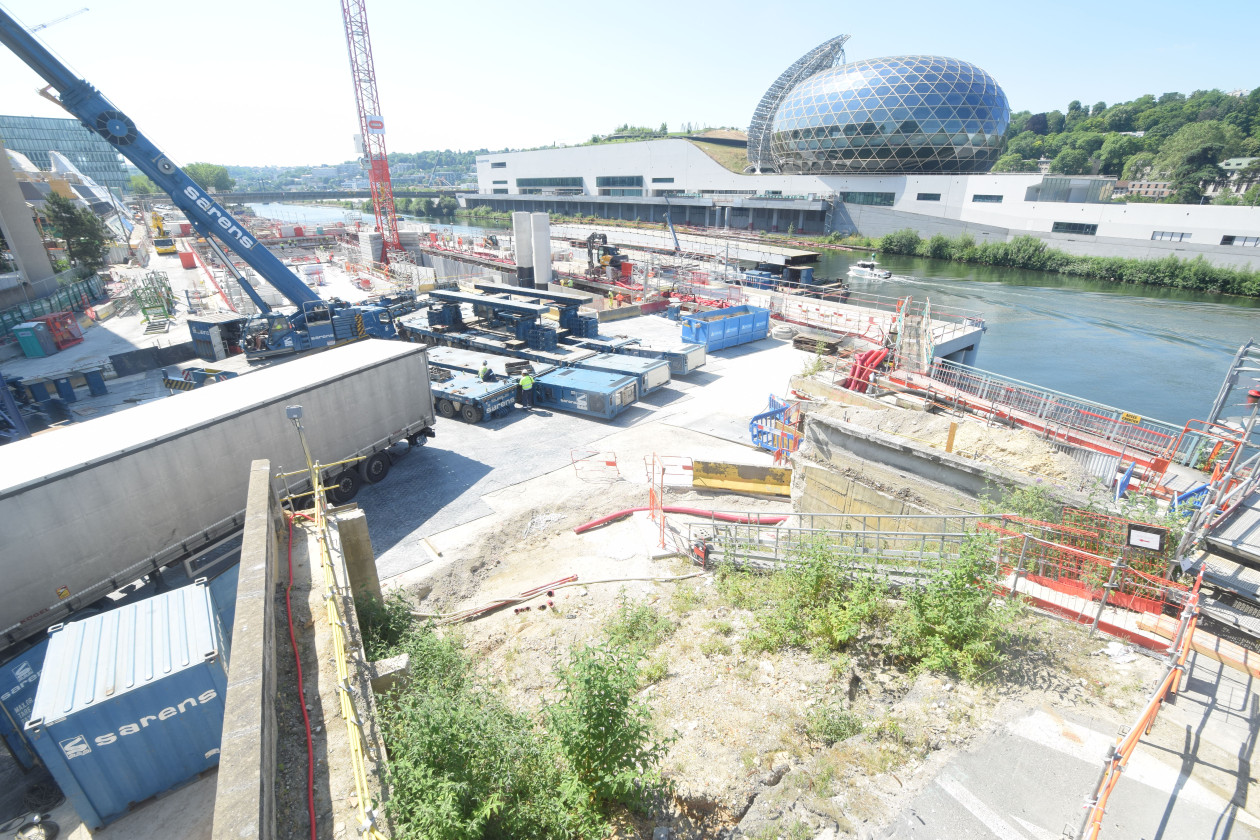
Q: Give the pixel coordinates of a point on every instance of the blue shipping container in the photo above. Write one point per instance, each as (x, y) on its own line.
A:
(19, 678)
(130, 702)
(728, 327)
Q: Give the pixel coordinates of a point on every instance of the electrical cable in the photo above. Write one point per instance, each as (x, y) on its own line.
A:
(297, 661)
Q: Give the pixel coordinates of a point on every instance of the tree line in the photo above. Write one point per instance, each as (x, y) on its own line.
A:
(1173, 137)
(1029, 252)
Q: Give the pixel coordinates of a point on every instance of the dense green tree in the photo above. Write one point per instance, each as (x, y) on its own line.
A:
(1012, 162)
(1098, 108)
(1088, 142)
(141, 185)
(1055, 122)
(1251, 198)
(1026, 145)
(1115, 150)
(1137, 167)
(1070, 162)
(210, 176)
(83, 231)
(1037, 124)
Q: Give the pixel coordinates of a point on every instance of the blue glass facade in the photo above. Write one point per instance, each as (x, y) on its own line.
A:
(905, 114)
(35, 137)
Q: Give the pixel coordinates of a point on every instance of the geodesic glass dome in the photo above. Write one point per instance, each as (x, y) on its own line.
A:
(910, 113)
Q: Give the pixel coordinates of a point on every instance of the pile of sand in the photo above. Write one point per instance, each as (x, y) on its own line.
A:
(1014, 449)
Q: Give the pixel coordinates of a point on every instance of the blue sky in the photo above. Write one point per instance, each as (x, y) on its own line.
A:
(268, 82)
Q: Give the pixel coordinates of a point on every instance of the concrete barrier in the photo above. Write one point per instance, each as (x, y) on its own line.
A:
(742, 478)
(245, 802)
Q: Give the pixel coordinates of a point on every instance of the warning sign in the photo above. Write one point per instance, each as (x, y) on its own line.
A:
(1131, 418)
(63, 592)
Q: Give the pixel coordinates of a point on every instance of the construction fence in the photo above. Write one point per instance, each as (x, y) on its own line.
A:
(1080, 569)
(78, 291)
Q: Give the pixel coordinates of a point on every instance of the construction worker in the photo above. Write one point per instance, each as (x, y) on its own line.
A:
(483, 375)
(527, 390)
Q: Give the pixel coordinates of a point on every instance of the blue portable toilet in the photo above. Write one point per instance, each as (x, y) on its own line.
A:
(130, 702)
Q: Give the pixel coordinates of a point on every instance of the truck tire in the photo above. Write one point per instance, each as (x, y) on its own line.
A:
(344, 488)
(471, 413)
(376, 467)
(446, 408)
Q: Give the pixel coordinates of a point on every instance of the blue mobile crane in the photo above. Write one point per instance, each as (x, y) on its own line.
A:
(316, 323)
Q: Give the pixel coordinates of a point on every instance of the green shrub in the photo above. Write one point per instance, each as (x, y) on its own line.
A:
(955, 624)
(604, 732)
(831, 724)
(383, 625)
(638, 626)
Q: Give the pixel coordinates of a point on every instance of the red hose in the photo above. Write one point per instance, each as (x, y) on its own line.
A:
(306, 718)
(743, 519)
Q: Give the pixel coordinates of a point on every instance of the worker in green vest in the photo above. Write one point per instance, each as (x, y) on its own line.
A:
(483, 374)
(527, 390)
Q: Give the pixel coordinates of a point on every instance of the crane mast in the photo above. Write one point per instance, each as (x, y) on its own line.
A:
(371, 124)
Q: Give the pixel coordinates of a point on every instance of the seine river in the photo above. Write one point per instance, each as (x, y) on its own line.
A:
(1156, 352)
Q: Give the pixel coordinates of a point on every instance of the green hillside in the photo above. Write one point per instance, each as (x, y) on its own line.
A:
(1183, 140)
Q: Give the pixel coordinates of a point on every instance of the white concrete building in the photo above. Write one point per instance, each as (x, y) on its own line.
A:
(1075, 213)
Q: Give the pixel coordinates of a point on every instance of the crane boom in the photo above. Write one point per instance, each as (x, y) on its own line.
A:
(47, 24)
(371, 124)
(97, 113)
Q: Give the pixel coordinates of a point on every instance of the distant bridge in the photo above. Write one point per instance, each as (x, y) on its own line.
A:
(260, 197)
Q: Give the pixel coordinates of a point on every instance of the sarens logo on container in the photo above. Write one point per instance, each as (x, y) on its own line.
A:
(220, 217)
(143, 723)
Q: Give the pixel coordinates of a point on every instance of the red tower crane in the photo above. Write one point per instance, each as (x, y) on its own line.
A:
(371, 124)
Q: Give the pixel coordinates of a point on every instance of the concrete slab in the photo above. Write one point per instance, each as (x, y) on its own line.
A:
(1190, 778)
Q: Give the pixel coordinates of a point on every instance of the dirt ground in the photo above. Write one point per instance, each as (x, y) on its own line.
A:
(741, 764)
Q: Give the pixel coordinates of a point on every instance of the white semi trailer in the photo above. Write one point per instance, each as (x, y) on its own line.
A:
(91, 507)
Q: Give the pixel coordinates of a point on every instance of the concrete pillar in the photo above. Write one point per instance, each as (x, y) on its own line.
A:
(800, 220)
(356, 549)
(523, 241)
(541, 225)
(774, 219)
(18, 227)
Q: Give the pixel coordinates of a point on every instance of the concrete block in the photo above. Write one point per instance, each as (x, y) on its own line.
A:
(356, 549)
(388, 674)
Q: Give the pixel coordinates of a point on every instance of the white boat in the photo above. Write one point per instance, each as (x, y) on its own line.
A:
(869, 270)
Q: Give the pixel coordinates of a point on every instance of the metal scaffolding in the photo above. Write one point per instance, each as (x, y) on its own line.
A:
(825, 55)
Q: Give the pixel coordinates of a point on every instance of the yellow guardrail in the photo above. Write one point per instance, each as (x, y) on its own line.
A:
(349, 712)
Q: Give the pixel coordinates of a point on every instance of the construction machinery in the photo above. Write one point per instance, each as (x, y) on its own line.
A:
(601, 255)
(316, 323)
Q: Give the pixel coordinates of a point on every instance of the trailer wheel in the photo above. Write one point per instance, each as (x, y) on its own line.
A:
(446, 408)
(376, 467)
(471, 413)
(344, 488)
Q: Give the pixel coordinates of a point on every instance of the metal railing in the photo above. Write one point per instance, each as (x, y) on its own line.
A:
(1118, 756)
(1124, 430)
(899, 549)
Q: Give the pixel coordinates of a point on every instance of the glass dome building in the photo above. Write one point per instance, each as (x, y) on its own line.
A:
(905, 114)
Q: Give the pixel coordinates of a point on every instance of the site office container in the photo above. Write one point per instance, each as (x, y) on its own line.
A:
(728, 327)
(592, 392)
(130, 702)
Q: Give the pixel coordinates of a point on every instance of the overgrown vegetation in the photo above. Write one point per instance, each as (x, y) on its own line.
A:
(463, 765)
(1029, 252)
(953, 623)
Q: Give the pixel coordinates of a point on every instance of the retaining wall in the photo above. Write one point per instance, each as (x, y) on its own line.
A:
(245, 802)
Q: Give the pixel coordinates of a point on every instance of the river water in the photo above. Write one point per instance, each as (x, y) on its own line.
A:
(1157, 352)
